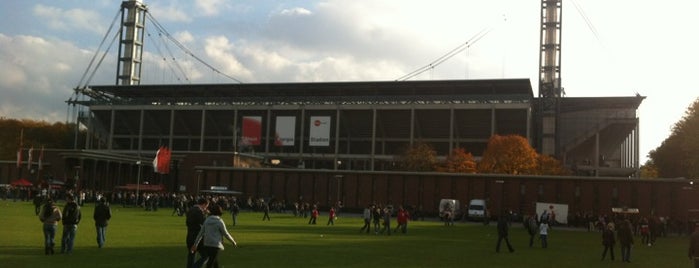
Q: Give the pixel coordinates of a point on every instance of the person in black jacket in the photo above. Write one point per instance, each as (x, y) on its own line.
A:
(503, 227)
(195, 219)
(608, 241)
(71, 218)
(101, 216)
(625, 237)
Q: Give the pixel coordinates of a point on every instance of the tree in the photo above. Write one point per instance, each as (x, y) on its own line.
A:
(509, 154)
(419, 157)
(677, 155)
(36, 134)
(547, 165)
(459, 161)
(649, 170)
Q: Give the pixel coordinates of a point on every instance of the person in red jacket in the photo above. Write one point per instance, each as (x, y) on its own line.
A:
(331, 216)
(402, 219)
(314, 215)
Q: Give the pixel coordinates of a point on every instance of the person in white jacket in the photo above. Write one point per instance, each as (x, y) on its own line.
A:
(213, 231)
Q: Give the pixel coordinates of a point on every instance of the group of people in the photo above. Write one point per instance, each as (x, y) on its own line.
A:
(205, 233)
(381, 219)
(534, 225)
(50, 215)
(624, 235)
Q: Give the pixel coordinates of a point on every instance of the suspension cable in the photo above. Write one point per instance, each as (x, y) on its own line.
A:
(447, 56)
(184, 49)
(92, 61)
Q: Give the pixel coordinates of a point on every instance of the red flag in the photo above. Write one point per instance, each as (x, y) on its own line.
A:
(29, 157)
(19, 150)
(164, 161)
(161, 162)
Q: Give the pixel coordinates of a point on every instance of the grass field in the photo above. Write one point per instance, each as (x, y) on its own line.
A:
(137, 238)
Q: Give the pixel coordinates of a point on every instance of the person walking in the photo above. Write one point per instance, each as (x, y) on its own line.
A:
(366, 215)
(448, 217)
(503, 233)
(50, 216)
(544, 233)
(625, 236)
(196, 215)
(376, 215)
(608, 241)
(386, 214)
(402, 220)
(265, 209)
(645, 231)
(102, 215)
(532, 229)
(331, 216)
(71, 218)
(235, 210)
(694, 246)
(212, 234)
(314, 215)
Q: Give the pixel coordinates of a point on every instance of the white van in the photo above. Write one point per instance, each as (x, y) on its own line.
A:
(451, 206)
(477, 210)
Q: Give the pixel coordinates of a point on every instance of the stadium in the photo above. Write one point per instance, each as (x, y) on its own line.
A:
(339, 141)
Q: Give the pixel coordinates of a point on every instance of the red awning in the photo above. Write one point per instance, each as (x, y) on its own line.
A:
(21, 182)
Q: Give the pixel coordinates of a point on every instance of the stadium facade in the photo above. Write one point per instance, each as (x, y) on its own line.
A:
(342, 140)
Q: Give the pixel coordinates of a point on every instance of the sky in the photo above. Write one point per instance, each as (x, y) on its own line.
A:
(609, 48)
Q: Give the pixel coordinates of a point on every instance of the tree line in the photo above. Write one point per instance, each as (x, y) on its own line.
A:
(35, 134)
(678, 155)
(509, 154)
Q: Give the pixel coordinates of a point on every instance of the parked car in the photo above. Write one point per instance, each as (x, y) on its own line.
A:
(478, 210)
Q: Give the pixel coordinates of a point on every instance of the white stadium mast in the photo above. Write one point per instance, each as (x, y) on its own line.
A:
(133, 18)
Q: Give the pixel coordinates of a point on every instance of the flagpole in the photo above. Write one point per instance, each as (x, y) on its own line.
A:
(40, 164)
(138, 180)
(19, 152)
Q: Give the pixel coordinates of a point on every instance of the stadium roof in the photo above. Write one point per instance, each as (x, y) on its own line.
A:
(518, 90)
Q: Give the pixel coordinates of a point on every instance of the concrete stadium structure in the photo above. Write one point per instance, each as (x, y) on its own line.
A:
(332, 141)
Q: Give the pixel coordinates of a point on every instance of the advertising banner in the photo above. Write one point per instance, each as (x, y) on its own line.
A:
(252, 130)
(319, 134)
(285, 131)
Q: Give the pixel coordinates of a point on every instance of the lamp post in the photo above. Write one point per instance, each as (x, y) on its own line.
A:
(502, 195)
(138, 180)
(339, 180)
(199, 172)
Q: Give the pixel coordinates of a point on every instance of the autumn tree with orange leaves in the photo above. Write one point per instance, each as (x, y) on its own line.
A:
(459, 161)
(419, 157)
(547, 165)
(510, 154)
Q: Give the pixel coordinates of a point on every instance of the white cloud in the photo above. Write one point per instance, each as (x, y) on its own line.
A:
(184, 37)
(210, 7)
(223, 55)
(71, 19)
(298, 11)
(35, 80)
(172, 12)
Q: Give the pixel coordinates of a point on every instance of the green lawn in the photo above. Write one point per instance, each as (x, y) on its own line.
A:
(137, 238)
